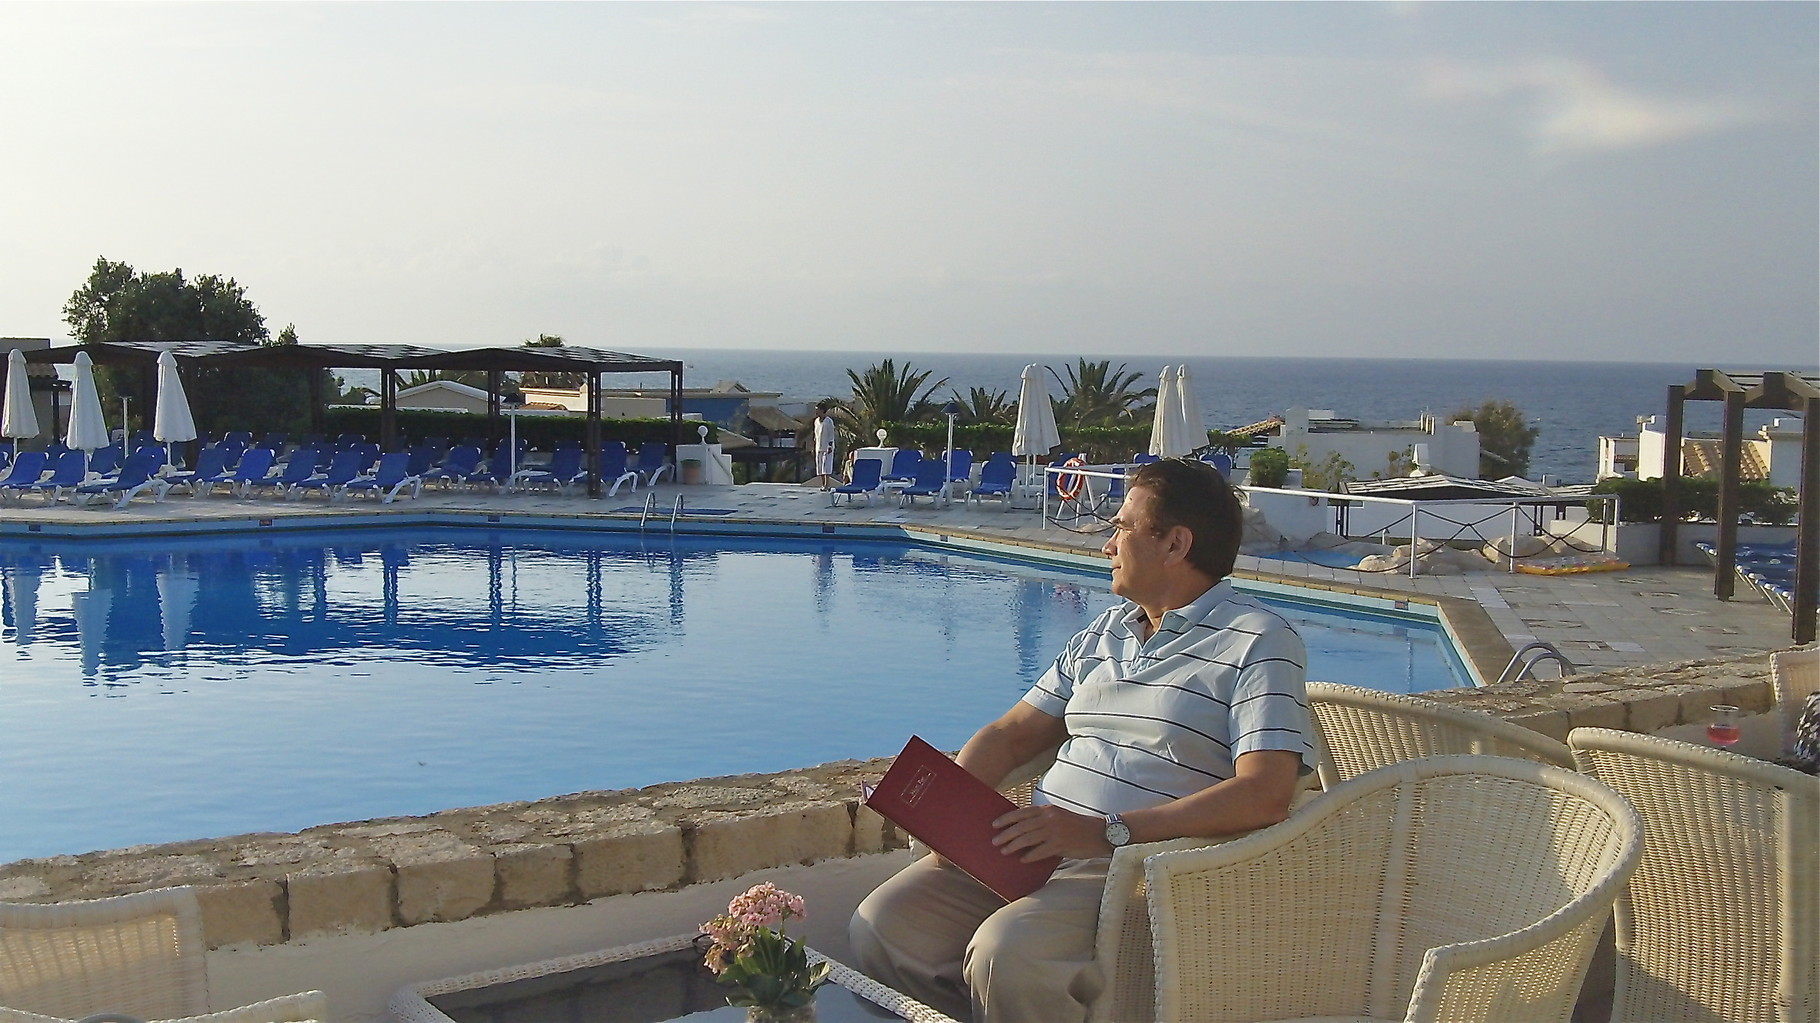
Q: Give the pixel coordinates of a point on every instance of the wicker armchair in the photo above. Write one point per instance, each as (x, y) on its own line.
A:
(1794, 675)
(309, 1007)
(1364, 729)
(141, 953)
(1718, 923)
(1454, 888)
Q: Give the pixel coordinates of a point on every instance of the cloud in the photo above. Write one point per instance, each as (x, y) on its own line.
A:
(1571, 106)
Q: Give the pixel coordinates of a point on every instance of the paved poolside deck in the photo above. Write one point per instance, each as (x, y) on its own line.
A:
(1633, 617)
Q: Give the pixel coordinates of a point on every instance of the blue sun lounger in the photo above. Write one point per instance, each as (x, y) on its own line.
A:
(996, 479)
(254, 466)
(211, 468)
(563, 472)
(136, 477)
(865, 481)
(931, 477)
(342, 470)
(70, 472)
(392, 476)
(613, 467)
(302, 466)
(496, 473)
(27, 470)
(463, 459)
(652, 463)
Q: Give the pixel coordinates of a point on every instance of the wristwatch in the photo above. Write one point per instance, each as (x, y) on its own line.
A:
(1118, 833)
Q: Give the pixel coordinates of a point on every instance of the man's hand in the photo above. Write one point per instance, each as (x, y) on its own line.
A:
(1043, 831)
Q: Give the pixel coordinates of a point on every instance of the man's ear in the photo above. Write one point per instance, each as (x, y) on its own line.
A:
(1178, 542)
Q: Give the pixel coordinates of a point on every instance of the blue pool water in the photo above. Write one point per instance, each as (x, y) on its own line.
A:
(157, 690)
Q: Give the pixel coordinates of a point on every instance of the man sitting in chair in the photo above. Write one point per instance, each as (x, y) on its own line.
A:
(1179, 713)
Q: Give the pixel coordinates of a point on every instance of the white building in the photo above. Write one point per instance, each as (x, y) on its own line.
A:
(1381, 449)
(1773, 453)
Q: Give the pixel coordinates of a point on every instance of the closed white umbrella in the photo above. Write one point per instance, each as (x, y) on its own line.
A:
(177, 601)
(22, 589)
(174, 424)
(1188, 411)
(18, 418)
(91, 610)
(1165, 424)
(1036, 433)
(87, 429)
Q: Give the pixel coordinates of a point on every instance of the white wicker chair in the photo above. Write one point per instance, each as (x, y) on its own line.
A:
(141, 954)
(1364, 729)
(1454, 888)
(308, 1007)
(1794, 675)
(1718, 923)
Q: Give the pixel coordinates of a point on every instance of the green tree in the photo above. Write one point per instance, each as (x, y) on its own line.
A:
(1269, 468)
(118, 303)
(1095, 394)
(1505, 437)
(983, 406)
(882, 393)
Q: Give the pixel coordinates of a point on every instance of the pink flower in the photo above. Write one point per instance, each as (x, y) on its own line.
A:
(766, 905)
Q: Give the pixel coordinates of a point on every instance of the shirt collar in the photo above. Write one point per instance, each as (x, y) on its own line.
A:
(1193, 611)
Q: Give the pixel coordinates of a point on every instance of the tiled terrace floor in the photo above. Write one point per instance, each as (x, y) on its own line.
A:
(1599, 620)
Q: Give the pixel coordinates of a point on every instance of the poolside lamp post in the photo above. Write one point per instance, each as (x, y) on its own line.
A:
(952, 409)
(513, 402)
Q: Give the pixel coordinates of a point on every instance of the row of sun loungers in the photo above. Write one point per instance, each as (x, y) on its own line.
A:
(1770, 567)
(357, 469)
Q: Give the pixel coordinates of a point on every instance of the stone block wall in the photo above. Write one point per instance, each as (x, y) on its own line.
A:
(269, 889)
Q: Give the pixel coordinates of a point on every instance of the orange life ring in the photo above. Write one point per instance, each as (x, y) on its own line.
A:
(1069, 485)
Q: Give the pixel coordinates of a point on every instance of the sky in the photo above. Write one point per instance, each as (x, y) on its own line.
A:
(1585, 181)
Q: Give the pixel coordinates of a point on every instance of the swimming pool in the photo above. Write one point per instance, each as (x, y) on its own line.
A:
(172, 688)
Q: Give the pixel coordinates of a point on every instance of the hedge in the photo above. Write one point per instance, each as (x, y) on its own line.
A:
(541, 432)
(1641, 500)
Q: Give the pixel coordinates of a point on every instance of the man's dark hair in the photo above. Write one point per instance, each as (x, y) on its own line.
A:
(1189, 492)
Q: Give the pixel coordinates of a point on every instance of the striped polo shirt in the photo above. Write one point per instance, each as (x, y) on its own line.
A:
(1152, 721)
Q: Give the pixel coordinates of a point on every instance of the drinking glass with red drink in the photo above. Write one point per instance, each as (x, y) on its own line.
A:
(1723, 729)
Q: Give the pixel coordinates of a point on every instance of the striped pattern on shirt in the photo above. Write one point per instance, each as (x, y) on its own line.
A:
(1152, 721)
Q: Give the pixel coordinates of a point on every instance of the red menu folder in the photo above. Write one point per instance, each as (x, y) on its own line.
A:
(951, 811)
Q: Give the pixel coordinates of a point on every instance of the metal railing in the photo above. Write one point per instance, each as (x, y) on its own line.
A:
(1523, 663)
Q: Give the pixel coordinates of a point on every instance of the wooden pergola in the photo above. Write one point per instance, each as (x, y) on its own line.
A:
(1793, 392)
(389, 359)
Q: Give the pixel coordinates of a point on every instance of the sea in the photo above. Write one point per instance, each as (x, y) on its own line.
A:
(1574, 403)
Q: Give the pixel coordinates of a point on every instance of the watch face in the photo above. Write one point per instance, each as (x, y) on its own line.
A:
(1116, 831)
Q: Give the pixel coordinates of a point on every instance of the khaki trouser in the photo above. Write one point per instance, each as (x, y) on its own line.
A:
(944, 939)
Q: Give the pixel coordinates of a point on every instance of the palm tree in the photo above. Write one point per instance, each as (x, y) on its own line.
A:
(1097, 395)
(983, 406)
(885, 394)
(539, 378)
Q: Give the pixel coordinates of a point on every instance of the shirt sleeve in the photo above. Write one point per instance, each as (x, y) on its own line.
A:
(1053, 691)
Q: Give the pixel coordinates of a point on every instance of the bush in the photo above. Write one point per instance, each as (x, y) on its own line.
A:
(1641, 500)
(1269, 467)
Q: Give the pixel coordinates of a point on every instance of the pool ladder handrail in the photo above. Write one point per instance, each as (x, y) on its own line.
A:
(1523, 663)
(650, 509)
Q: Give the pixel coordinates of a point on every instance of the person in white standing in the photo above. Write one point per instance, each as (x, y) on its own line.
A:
(824, 446)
